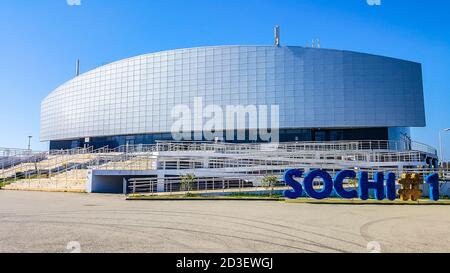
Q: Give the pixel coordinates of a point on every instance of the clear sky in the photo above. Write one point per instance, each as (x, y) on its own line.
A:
(41, 39)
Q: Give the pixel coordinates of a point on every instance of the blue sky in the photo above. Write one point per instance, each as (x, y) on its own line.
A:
(40, 41)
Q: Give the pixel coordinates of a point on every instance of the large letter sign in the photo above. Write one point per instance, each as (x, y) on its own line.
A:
(433, 181)
(381, 189)
(390, 187)
(339, 185)
(365, 186)
(289, 179)
(327, 184)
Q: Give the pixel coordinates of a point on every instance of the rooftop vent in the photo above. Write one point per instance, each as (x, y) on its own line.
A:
(277, 35)
(77, 68)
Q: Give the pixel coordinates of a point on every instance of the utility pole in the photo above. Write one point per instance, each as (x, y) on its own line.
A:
(441, 147)
(77, 68)
(29, 142)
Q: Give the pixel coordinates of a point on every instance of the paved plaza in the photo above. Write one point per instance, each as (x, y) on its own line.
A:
(63, 222)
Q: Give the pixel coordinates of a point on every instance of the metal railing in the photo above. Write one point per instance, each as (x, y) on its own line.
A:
(199, 185)
(445, 173)
(53, 162)
(234, 184)
(255, 159)
(125, 156)
(74, 151)
(142, 161)
(13, 152)
(240, 159)
(373, 145)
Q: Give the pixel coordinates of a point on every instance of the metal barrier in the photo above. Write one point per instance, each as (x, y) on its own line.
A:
(374, 145)
(232, 160)
(48, 164)
(232, 184)
(199, 185)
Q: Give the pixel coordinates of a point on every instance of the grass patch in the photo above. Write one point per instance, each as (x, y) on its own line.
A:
(8, 181)
(12, 180)
(255, 195)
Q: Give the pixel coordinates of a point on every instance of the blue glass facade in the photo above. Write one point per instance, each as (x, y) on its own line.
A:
(286, 135)
(322, 94)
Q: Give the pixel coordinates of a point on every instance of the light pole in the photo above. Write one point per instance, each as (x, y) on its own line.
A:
(29, 142)
(441, 146)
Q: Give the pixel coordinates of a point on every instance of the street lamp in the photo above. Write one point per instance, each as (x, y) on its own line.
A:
(440, 144)
(29, 142)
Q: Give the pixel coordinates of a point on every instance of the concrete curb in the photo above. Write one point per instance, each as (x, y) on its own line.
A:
(303, 201)
(370, 202)
(203, 199)
(46, 190)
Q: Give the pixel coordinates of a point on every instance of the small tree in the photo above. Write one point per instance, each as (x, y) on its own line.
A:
(269, 183)
(186, 182)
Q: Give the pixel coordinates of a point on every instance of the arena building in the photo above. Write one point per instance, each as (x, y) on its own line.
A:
(112, 129)
(322, 94)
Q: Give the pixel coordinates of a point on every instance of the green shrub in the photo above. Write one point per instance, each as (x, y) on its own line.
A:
(269, 182)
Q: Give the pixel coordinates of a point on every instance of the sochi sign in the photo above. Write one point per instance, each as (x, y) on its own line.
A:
(384, 186)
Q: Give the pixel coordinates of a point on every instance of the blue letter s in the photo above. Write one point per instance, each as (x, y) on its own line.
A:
(289, 179)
